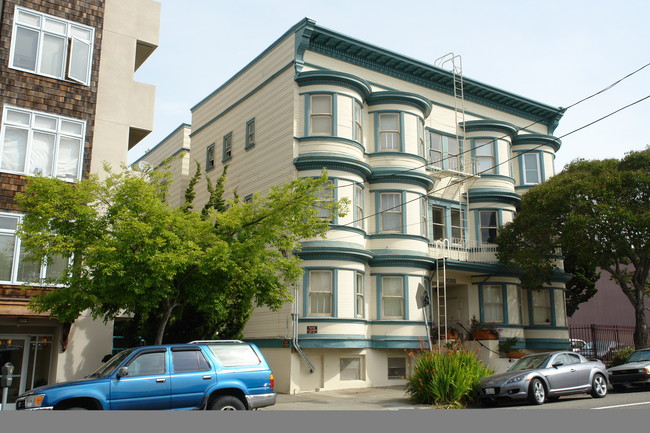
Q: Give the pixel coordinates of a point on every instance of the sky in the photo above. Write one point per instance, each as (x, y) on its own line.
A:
(556, 52)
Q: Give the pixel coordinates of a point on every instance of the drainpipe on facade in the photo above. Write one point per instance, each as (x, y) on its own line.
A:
(295, 330)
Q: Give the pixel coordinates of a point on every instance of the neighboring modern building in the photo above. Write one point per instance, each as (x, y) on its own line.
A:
(69, 102)
(433, 163)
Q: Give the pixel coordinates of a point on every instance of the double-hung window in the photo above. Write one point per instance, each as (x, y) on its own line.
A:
(320, 293)
(250, 134)
(531, 168)
(324, 201)
(489, 225)
(209, 157)
(435, 150)
(320, 119)
(542, 314)
(51, 46)
(424, 217)
(484, 152)
(438, 221)
(392, 297)
(40, 143)
(359, 303)
(357, 122)
(227, 148)
(421, 145)
(493, 304)
(454, 160)
(457, 229)
(389, 132)
(391, 212)
(358, 206)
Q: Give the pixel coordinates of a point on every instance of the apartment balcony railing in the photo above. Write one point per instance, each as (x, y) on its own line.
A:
(462, 165)
(463, 250)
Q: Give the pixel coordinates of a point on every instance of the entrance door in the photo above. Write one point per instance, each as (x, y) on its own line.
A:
(30, 356)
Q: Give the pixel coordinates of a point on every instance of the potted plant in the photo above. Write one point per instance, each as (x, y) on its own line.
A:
(507, 348)
(482, 331)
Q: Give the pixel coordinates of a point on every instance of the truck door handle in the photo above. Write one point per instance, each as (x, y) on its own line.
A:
(207, 377)
(160, 380)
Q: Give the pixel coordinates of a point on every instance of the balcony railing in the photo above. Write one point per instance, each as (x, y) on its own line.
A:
(459, 165)
(463, 250)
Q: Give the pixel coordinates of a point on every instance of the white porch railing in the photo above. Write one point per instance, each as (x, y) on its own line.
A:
(463, 250)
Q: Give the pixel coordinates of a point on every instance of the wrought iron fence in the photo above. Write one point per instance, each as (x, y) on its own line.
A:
(600, 341)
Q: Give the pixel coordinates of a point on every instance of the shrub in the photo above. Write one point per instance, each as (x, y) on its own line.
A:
(446, 379)
(620, 355)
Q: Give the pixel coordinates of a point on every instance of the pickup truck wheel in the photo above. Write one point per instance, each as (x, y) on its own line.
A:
(227, 402)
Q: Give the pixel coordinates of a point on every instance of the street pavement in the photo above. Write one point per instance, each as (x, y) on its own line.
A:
(384, 398)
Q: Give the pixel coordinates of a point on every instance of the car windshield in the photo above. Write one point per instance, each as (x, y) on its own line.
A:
(109, 367)
(529, 362)
(643, 355)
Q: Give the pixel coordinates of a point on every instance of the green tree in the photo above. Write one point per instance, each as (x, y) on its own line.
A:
(130, 253)
(597, 215)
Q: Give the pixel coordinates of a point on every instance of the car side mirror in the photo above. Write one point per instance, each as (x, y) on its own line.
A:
(558, 364)
(123, 371)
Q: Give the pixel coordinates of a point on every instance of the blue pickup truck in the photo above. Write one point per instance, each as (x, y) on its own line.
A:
(214, 375)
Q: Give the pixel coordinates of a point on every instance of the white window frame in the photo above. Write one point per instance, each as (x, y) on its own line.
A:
(75, 35)
(528, 159)
(322, 298)
(313, 115)
(357, 123)
(421, 146)
(390, 209)
(542, 308)
(484, 153)
(359, 297)
(326, 196)
(438, 225)
(395, 144)
(399, 297)
(435, 150)
(16, 254)
(359, 220)
(30, 126)
(424, 216)
(493, 303)
(457, 229)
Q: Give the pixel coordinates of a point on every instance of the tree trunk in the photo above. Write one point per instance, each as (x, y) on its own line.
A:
(160, 332)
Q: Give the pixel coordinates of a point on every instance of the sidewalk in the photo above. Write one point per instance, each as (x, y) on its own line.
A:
(385, 398)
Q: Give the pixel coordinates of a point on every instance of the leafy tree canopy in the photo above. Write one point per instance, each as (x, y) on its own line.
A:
(131, 253)
(595, 214)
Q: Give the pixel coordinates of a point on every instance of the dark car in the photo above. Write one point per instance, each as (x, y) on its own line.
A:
(634, 372)
(216, 375)
(546, 376)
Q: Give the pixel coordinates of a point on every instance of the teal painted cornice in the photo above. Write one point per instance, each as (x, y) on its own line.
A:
(485, 195)
(323, 77)
(493, 269)
(491, 125)
(537, 140)
(339, 46)
(316, 161)
(335, 253)
(400, 98)
(401, 260)
(401, 175)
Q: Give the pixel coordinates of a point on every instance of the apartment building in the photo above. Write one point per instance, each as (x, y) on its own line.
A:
(69, 103)
(432, 162)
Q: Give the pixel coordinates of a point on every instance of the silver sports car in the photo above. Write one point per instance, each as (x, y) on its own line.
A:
(543, 376)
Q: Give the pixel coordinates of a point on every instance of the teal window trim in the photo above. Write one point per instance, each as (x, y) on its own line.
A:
(357, 120)
(425, 217)
(540, 167)
(227, 153)
(306, 291)
(504, 305)
(210, 157)
(378, 225)
(380, 301)
(250, 124)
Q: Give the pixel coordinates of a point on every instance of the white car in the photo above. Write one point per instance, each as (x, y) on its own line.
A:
(635, 371)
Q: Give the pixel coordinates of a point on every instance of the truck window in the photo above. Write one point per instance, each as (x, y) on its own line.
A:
(230, 355)
(189, 360)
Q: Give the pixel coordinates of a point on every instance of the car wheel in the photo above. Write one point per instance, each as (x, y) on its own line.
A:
(536, 392)
(227, 402)
(598, 386)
